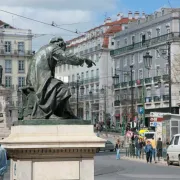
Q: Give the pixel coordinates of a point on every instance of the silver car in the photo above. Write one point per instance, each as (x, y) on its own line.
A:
(109, 146)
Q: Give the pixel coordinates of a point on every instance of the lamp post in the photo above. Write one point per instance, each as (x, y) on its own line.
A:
(103, 91)
(147, 64)
(76, 87)
(116, 80)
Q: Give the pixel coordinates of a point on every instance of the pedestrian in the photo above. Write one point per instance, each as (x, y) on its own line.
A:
(3, 162)
(153, 143)
(159, 148)
(118, 149)
(137, 147)
(148, 150)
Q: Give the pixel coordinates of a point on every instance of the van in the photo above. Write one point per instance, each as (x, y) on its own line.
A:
(173, 150)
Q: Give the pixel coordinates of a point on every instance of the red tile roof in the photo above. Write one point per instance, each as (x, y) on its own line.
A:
(114, 27)
(3, 23)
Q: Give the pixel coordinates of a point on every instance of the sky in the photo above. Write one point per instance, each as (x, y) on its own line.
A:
(74, 15)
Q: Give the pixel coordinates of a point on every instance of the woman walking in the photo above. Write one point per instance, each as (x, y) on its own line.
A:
(118, 149)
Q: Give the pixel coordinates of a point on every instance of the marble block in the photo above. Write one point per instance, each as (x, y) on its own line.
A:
(52, 152)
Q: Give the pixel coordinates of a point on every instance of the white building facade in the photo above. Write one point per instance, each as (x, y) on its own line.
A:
(96, 103)
(150, 33)
(15, 55)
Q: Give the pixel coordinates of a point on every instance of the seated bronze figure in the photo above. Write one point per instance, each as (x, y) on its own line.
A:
(45, 96)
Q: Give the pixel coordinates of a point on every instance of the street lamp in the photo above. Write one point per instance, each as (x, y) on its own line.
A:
(77, 94)
(147, 58)
(147, 61)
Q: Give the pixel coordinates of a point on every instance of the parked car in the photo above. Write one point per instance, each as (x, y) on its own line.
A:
(109, 146)
(173, 150)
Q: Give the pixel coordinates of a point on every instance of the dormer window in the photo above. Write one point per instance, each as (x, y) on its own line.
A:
(163, 12)
(156, 15)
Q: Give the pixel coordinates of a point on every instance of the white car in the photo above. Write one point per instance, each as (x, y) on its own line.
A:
(173, 151)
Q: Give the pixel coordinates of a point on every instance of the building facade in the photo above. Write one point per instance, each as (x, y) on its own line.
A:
(15, 54)
(96, 102)
(150, 33)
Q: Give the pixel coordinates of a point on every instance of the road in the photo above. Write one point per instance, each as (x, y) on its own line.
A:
(108, 168)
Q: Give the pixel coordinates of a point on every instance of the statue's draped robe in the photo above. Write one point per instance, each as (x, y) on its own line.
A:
(51, 94)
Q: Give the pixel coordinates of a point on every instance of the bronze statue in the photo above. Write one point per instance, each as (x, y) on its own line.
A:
(50, 95)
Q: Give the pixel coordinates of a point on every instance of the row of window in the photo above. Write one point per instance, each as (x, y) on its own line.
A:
(94, 89)
(8, 81)
(82, 76)
(131, 59)
(8, 47)
(158, 72)
(8, 66)
(143, 36)
(148, 93)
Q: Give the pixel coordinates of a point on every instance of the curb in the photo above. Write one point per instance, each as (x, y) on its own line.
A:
(144, 161)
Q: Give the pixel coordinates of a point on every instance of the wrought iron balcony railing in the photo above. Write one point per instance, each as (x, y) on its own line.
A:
(144, 44)
(165, 77)
(165, 97)
(124, 84)
(117, 103)
(116, 86)
(148, 80)
(157, 79)
(131, 83)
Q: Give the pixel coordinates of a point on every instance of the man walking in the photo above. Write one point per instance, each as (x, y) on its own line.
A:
(159, 148)
(148, 150)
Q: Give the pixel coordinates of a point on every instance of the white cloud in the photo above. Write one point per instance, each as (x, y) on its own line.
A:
(62, 4)
(59, 11)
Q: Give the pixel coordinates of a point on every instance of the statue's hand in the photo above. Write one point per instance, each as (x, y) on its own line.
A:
(89, 63)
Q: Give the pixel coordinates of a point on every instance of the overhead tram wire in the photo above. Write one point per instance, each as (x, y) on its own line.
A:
(52, 24)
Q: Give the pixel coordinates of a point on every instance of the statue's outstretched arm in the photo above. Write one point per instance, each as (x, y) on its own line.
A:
(72, 60)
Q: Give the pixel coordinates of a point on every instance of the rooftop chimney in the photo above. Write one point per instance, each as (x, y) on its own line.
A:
(130, 15)
(107, 20)
(136, 15)
(119, 16)
(143, 15)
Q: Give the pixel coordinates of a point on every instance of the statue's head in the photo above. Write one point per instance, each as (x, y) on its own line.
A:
(59, 42)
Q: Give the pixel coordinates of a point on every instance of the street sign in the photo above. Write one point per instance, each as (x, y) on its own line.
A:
(141, 110)
(153, 124)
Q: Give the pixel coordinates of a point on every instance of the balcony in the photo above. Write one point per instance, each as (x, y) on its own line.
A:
(117, 103)
(124, 85)
(166, 78)
(157, 99)
(131, 83)
(8, 70)
(157, 79)
(139, 82)
(16, 53)
(149, 42)
(165, 97)
(148, 80)
(116, 86)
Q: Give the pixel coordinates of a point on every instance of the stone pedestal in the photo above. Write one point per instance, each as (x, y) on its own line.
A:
(52, 152)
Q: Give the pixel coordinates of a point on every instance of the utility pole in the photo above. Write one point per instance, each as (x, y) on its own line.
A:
(169, 64)
(77, 98)
(132, 95)
(105, 109)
